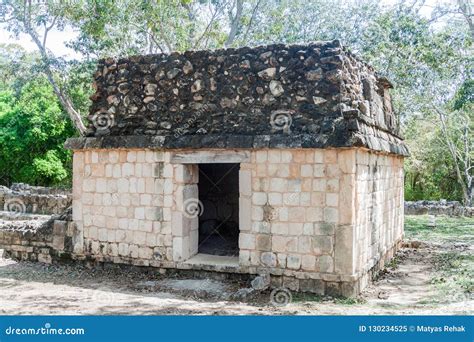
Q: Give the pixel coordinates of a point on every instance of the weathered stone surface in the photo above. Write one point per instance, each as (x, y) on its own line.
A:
(443, 207)
(38, 239)
(24, 198)
(261, 282)
(236, 97)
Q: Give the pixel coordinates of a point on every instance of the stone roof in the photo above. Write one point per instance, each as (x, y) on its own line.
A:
(313, 95)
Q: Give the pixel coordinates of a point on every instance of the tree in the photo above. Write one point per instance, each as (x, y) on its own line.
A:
(32, 132)
(456, 127)
(37, 19)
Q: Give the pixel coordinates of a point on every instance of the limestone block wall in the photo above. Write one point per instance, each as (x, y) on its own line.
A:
(320, 217)
(296, 200)
(122, 201)
(38, 240)
(24, 198)
(379, 209)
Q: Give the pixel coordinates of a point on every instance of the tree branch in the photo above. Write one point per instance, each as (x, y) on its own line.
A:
(252, 17)
(74, 115)
(466, 11)
(235, 22)
(452, 151)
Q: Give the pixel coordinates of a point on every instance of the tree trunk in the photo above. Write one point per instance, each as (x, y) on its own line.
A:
(452, 150)
(466, 11)
(235, 23)
(73, 114)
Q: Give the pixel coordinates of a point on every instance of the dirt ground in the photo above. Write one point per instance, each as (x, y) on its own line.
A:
(406, 287)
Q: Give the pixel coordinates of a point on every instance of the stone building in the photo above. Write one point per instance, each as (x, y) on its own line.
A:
(280, 160)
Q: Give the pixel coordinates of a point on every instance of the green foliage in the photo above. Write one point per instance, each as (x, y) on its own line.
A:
(33, 129)
(429, 171)
(455, 274)
(465, 95)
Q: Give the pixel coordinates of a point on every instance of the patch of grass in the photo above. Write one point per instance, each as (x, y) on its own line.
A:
(448, 229)
(393, 263)
(454, 265)
(349, 301)
(454, 275)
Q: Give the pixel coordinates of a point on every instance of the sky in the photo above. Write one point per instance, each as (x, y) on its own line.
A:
(57, 39)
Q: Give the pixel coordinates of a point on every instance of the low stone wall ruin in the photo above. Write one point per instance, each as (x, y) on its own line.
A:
(24, 198)
(448, 208)
(39, 239)
(35, 222)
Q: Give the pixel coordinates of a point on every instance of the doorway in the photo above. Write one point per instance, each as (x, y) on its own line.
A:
(219, 222)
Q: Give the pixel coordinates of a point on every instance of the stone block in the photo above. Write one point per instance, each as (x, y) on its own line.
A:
(261, 156)
(268, 259)
(344, 250)
(278, 184)
(305, 244)
(274, 156)
(259, 198)
(296, 214)
(308, 263)
(347, 161)
(331, 215)
(245, 183)
(264, 242)
(245, 221)
(314, 214)
(279, 228)
(139, 238)
(322, 244)
(306, 170)
(247, 241)
(326, 264)
(279, 243)
(332, 200)
(58, 242)
(59, 227)
(275, 198)
(145, 253)
(291, 283)
(315, 286)
(324, 228)
(180, 224)
(293, 261)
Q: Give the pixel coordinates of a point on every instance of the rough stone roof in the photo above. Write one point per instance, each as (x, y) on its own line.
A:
(315, 95)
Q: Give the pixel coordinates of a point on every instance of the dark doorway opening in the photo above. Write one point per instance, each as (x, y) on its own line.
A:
(219, 222)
